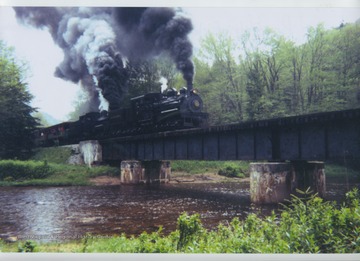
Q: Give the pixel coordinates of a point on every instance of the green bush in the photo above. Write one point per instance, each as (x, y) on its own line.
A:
(15, 170)
(190, 228)
(232, 170)
(306, 225)
(200, 167)
(312, 225)
(33, 173)
(28, 246)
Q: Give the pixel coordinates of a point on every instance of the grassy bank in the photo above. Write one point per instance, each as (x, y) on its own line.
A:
(37, 173)
(48, 166)
(333, 171)
(338, 172)
(306, 225)
(59, 155)
(226, 168)
(43, 173)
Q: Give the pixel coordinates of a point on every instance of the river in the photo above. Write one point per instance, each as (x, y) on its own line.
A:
(48, 214)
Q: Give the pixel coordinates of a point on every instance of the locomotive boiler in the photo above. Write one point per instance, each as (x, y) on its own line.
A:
(151, 112)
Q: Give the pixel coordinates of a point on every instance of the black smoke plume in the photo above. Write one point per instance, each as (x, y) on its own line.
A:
(97, 42)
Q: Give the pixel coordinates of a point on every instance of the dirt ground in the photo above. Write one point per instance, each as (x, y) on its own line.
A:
(176, 177)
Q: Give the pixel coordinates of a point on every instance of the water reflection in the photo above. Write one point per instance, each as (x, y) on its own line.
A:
(65, 213)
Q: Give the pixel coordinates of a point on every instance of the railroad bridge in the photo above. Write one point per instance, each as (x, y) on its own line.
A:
(320, 136)
(289, 145)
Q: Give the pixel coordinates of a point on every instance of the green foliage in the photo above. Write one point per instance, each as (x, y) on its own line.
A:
(16, 121)
(312, 225)
(155, 242)
(190, 228)
(337, 171)
(219, 79)
(15, 170)
(265, 75)
(36, 173)
(58, 155)
(28, 246)
(231, 169)
(197, 167)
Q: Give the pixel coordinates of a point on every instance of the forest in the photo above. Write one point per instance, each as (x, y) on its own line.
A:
(264, 75)
(270, 76)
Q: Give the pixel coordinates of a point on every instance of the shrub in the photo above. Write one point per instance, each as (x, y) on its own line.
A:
(231, 169)
(189, 228)
(22, 170)
(311, 225)
(199, 167)
(27, 246)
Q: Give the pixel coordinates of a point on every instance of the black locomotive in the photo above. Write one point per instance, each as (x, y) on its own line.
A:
(152, 112)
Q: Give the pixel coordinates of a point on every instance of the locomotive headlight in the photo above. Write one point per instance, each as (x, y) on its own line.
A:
(195, 103)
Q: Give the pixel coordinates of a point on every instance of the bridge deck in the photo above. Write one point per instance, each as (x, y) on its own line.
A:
(319, 136)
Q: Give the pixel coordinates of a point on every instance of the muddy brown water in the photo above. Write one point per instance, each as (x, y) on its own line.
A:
(50, 214)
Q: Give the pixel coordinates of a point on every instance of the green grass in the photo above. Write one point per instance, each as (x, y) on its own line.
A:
(339, 172)
(52, 154)
(333, 171)
(47, 167)
(16, 170)
(200, 167)
(60, 175)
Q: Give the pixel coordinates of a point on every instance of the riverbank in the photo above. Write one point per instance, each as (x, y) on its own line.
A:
(36, 173)
(53, 167)
(307, 225)
(43, 173)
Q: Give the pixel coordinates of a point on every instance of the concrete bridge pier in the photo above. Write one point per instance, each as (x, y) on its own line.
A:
(274, 182)
(154, 171)
(311, 174)
(131, 172)
(91, 152)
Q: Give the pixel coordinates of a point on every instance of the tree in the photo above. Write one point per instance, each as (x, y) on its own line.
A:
(275, 77)
(265, 63)
(143, 77)
(345, 64)
(225, 90)
(167, 69)
(16, 121)
(316, 69)
(295, 102)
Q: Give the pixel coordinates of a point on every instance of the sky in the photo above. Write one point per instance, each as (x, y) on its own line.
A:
(56, 96)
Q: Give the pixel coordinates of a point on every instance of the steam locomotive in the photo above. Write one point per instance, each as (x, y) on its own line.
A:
(152, 112)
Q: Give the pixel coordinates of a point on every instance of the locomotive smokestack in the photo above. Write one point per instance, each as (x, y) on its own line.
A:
(189, 87)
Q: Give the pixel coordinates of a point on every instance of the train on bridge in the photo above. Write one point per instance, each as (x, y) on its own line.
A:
(151, 112)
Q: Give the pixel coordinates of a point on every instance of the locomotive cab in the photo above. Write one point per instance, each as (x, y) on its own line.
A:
(170, 92)
(183, 91)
